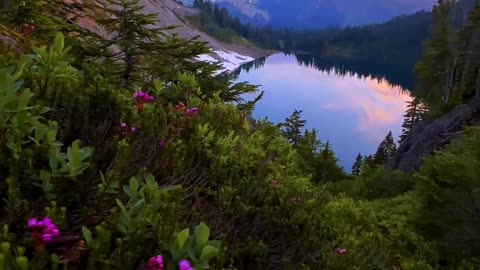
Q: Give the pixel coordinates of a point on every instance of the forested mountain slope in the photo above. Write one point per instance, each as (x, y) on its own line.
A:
(320, 14)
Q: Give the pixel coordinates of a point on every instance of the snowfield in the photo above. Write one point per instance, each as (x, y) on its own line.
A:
(229, 60)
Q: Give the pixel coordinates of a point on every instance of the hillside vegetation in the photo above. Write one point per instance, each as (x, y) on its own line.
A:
(120, 152)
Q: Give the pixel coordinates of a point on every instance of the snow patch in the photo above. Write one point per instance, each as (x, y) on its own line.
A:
(229, 60)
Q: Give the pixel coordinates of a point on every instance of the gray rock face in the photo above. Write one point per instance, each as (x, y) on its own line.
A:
(427, 137)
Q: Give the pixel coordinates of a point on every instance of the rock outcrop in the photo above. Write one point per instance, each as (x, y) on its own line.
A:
(427, 137)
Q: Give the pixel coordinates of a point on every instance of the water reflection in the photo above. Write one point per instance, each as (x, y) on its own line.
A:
(395, 75)
(354, 111)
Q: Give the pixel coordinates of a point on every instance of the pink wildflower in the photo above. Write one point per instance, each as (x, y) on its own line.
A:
(185, 265)
(43, 231)
(27, 30)
(297, 200)
(142, 98)
(155, 263)
(180, 107)
(192, 111)
(162, 143)
(340, 251)
(275, 183)
(128, 131)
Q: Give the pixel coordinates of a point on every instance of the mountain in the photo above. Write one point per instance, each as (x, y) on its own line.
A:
(322, 13)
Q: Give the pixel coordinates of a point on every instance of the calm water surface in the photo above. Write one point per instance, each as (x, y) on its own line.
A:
(352, 111)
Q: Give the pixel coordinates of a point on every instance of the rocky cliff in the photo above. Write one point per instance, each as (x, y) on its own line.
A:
(427, 137)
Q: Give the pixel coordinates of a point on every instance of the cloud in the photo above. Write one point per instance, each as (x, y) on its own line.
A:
(370, 107)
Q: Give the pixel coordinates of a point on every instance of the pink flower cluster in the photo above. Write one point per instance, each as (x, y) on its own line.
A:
(189, 112)
(27, 30)
(128, 131)
(142, 98)
(297, 200)
(340, 251)
(43, 231)
(185, 265)
(192, 111)
(155, 263)
(180, 107)
(275, 183)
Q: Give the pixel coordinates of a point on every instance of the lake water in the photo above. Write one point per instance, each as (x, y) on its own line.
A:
(351, 105)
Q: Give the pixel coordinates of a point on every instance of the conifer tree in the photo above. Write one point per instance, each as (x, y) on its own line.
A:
(436, 70)
(385, 150)
(469, 41)
(133, 35)
(368, 160)
(357, 165)
(413, 115)
(293, 127)
(44, 17)
(327, 168)
(308, 148)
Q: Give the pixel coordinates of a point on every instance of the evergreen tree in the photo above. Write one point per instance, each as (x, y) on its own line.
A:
(436, 70)
(133, 36)
(327, 168)
(368, 161)
(44, 17)
(293, 127)
(357, 165)
(468, 79)
(308, 148)
(385, 150)
(413, 115)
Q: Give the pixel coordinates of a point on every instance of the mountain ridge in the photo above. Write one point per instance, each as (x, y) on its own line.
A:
(309, 14)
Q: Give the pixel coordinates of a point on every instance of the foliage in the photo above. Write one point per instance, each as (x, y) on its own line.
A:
(415, 112)
(385, 150)
(449, 192)
(293, 127)
(357, 165)
(125, 179)
(447, 74)
(196, 247)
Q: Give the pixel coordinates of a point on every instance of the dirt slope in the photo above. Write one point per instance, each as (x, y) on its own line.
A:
(170, 13)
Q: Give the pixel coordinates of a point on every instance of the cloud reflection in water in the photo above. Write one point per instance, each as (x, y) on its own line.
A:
(353, 113)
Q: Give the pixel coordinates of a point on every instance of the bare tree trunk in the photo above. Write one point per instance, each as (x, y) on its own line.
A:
(449, 74)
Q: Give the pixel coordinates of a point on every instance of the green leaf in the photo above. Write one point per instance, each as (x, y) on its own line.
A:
(76, 156)
(150, 179)
(158, 86)
(202, 233)
(87, 234)
(216, 244)
(191, 253)
(208, 252)
(128, 191)
(134, 186)
(59, 42)
(23, 100)
(182, 238)
(120, 204)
